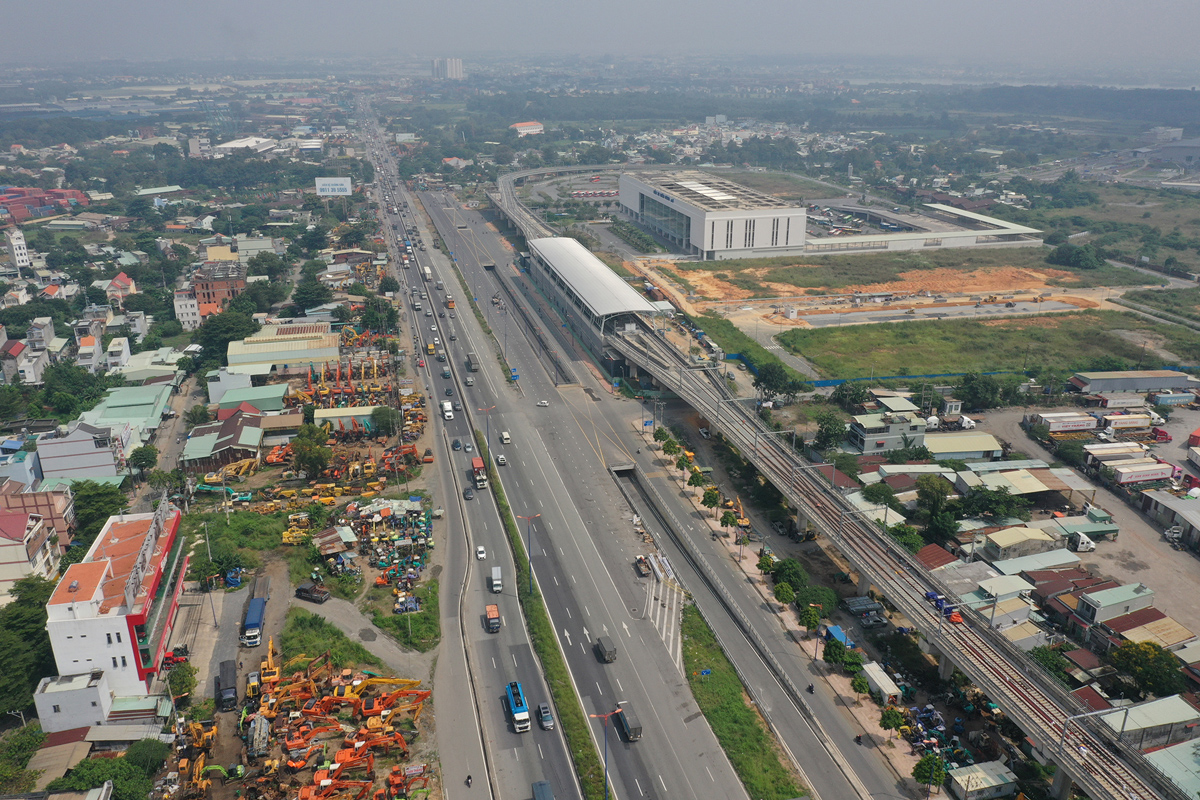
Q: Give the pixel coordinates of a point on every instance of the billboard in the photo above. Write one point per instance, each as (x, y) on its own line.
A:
(333, 187)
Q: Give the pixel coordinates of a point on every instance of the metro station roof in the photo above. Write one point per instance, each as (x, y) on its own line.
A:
(590, 278)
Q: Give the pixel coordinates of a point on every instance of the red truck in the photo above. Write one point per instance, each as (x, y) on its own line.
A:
(1160, 435)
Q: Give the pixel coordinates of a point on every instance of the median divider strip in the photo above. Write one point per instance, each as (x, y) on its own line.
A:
(574, 724)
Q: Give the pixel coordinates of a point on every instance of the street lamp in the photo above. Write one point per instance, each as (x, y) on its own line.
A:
(529, 546)
(487, 436)
(605, 717)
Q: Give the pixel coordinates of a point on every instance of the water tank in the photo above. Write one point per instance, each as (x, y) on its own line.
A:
(933, 422)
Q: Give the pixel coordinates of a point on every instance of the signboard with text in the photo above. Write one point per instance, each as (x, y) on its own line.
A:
(333, 187)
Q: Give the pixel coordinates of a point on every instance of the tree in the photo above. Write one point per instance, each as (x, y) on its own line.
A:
(765, 564)
(697, 480)
(728, 518)
(978, 391)
(220, 329)
(850, 394)
(670, 447)
(907, 537)
(310, 456)
(1052, 661)
(785, 594)
(389, 284)
(144, 458)
(830, 430)
(994, 503)
(196, 415)
(683, 463)
(387, 420)
(129, 781)
(852, 663)
(712, 498)
(310, 293)
(661, 434)
(834, 652)
(847, 464)
(942, 527)
(25, 653)
(933, 493)
(182, 680)
(1153, 669)
(810, 618)
(879, 493)
(859, 684)
(791, 571)
(149, 755)
(771, 380)
(268, 264)
(930, 770)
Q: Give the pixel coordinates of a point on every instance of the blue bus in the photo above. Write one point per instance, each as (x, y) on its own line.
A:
(518, 707)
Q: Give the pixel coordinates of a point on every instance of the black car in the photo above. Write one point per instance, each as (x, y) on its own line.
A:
(449, 391)
(457, 445)
(468, 493)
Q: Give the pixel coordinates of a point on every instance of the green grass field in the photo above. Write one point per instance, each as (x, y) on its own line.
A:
(783, 185)
(420, 631)
(742, 733)
(311, 635)
(818, 275)
(1180, 302)
(1063, 342)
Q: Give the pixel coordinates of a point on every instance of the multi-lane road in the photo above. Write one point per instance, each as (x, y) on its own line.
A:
(589, 586)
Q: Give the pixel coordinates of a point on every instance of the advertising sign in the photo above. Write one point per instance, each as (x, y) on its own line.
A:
(333, 187)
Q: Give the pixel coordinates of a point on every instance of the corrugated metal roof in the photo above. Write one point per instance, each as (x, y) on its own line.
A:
(590, 278)
(1164, 711)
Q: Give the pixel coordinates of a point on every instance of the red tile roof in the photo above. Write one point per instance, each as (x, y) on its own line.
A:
(13, 525)
(1084, 659)
(1092, 698)
(89, 575)
(934, 556)
(1134, 619)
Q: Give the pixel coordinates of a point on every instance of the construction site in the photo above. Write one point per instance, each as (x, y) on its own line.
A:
(306, 729)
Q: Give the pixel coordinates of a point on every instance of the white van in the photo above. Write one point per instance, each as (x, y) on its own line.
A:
(505, 438)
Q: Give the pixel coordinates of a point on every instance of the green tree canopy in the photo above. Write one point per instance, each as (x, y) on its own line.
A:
(784, 593)
(1053, 662)
(792, 572)
(810, 618)
(728, 518)
(144, 458)
(831, 430)
(387, 420)
(130, 782)
(997, 503)
(834, 651)
(930, 770)
(860, 685)
(850, 394)
(712, 497)
(220, 329)
(1153, 669)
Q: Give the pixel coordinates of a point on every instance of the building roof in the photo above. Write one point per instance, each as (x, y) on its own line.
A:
(1180, 763)
(86, 578)
(262, 398)
(589, 278)
(984, 775)
(1120, 594)
(709, 192)
(139, 406)
(961, 443)
(1052, 558)
(1163, 711)
(1090, 697)
(1011, 536)
(933, 556)
(1131, 373)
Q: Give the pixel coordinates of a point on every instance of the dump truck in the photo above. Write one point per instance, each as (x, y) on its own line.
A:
(479, 472)
(493, 618)
(312, 592)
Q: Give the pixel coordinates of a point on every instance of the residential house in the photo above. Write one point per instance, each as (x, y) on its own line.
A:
(881, 433)
(31, 366)
(18, 295)
(40, 333)
(216, 444)
(1017, 542)
(25, 549)
(1095, 607)
(116, 289)
(221, 380)
(53, 501)
(117, 354)
(10, 355)
(84, 451)
(187, 308)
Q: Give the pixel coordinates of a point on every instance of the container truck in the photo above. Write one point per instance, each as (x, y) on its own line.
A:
(497, 581)
(450, 302)
(518, 707)
(473, 364)
(227, 694)
(1075, 422)
(493, 618)
(1174, 399)
(628, 724)
(1194, 438)
(428, 274)
(479, 472)
(1143, 473)
(1118, 421)
(1194, 456)
(252, 626)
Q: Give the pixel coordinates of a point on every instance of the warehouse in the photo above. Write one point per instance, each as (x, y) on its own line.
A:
(712, 217)
(1132, 380)
(589, 296)
(964, 446)
(286, 348)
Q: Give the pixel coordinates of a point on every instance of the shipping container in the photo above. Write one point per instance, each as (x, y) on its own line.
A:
(1119, 421)
(1194, 438)
(1174, 399)
(1081, 422)
(1144, 472)
(1194, 456)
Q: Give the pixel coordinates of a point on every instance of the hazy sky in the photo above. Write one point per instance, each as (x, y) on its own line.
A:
(1110, 34)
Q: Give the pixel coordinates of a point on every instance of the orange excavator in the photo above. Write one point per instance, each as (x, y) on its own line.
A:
(300, 761)
(385, 741)
(374, 706)
(303, 737)
(366, 761)
(332, 789)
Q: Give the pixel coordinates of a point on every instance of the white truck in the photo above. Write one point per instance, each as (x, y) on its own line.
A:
(447, 410)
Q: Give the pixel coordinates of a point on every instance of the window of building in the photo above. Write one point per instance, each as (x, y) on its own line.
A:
(57, 710)
(109, 635)
(114, 662)
(94, 704)
(118, 637)
(123, 664)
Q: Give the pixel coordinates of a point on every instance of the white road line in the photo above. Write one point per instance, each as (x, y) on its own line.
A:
(620, 688)
(664, 783)
(598, 689)
(710, 775)
(586, 613)
(514, 658)
(639, 787)
(555, 580)
(568, 612)
(573, 579)
(544, 554)
(493, 662)
(543, 757)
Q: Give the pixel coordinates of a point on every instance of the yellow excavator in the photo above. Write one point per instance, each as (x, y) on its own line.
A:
(268, 672)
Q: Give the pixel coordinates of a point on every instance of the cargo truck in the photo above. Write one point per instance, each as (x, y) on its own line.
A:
(479, 472)
(253, 623)
(227, 693)
(1118, 421)
(450, 302)
(628, 724)
(427, 274)
(493, 618)
(312, 592)
(497, 581)
(1143, 473)
(439, 286)
(447, 410)
(472, 362)
(1194, 438)
(1080, 422)
(518, 707)
(1194, 456)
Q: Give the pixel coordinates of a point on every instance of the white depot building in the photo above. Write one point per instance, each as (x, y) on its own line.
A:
(711, 217)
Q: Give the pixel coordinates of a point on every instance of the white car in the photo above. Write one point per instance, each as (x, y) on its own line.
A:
(543, 403)
(480, 553)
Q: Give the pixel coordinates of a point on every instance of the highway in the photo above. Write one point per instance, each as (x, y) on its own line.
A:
(514, 760)
(587, 580)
